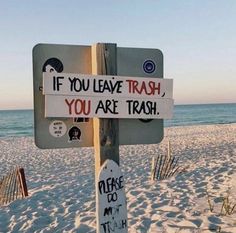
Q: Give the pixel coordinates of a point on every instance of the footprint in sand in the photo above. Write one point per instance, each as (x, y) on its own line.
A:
(172, 214)
(157, 205)
(215, 220)
(197, 222)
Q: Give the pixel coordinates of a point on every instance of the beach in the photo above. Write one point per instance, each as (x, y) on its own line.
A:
(62, 190)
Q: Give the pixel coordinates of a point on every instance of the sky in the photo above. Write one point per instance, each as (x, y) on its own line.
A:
(197, 38)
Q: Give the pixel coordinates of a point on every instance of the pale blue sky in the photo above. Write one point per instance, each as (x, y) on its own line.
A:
(197, 37)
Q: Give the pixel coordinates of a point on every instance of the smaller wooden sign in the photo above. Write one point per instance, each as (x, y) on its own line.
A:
(111, 200)
(106, 85)
(104, 107)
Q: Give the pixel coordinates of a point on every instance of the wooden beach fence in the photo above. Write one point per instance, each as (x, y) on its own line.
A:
(13, 186)
(164, 166)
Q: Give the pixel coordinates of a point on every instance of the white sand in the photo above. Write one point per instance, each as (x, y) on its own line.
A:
(62, 195)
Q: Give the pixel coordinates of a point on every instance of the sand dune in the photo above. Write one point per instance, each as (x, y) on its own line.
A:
(62, 194)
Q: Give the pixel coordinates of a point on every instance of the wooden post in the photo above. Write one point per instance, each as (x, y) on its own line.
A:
(23, 182)
(168, 149)
(153, 168)
(111, 207)
(106, 131)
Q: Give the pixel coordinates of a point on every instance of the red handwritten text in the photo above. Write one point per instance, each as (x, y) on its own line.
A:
(148, 88)
(78, 106)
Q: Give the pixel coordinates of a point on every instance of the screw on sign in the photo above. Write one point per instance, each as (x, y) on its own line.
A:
(111, 201)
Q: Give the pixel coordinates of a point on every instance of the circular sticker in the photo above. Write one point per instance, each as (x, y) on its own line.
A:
(57, 129)
(149, 66)
(74, 134)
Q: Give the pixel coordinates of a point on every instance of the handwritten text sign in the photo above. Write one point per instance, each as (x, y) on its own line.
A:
(110, 86)
(104, 107)
(111, 201)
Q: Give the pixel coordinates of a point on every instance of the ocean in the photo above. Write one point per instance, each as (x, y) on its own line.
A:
(15, 123)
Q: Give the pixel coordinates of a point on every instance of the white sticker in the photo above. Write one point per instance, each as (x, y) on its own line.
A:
(57, 129)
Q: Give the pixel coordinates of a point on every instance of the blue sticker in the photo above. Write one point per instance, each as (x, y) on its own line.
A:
(149, 66)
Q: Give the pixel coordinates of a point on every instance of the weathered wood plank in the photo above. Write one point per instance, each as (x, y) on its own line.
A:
(106, 131)
(111, 200)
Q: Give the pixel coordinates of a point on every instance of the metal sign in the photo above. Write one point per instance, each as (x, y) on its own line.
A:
(67, 59)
